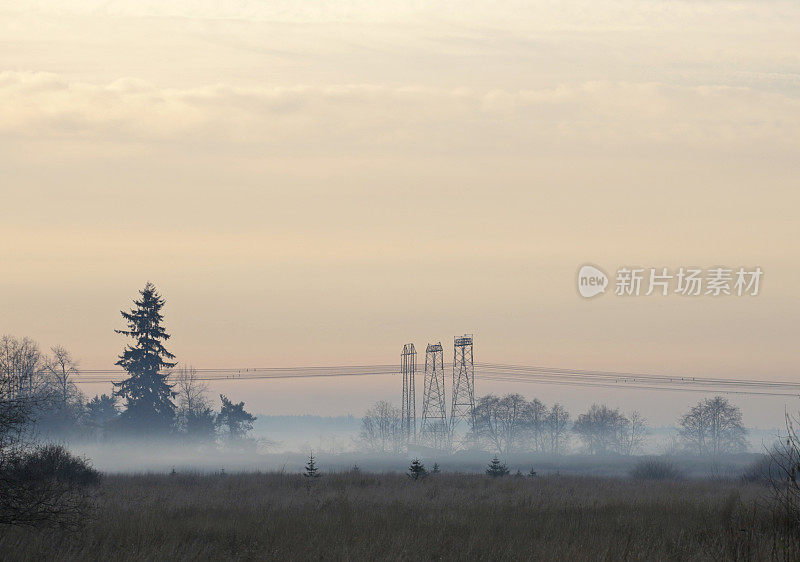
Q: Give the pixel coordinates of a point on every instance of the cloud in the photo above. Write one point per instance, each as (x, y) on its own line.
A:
(369, 117)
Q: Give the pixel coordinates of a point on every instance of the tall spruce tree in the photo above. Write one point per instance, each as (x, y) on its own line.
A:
(147, 394)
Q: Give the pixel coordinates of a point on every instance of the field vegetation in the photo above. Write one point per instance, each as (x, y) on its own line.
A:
(367, 516)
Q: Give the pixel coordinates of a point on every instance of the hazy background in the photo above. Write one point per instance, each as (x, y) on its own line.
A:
(319, 184)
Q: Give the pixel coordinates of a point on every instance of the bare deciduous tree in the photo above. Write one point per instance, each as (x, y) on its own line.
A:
(489, 426)
(194, 416)
(21, 364)
(62, 403)
(634, 434)
(713, 427)
(15, 415)
(39, 485)
(534, 434)
(55, 403)
(190, 392)
(512, 423)
(603, 430)
(556, 429)
(503, 422)
(60, 369)
(380, 428)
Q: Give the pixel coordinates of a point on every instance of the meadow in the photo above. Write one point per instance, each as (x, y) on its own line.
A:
(370, 516)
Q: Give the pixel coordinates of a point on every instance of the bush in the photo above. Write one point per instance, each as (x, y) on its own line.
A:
(54, 462)
(45, 486)
(760, 470)
(783, 472)
(656, 469)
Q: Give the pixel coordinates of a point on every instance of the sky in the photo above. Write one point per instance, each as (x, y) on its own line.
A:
(320, 183)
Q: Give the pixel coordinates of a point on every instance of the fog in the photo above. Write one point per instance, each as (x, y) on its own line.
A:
(164, 458)
(284, 443)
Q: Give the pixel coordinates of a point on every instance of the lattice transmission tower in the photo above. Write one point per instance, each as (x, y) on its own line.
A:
(433, 430)
(408, 366)
(463, 407)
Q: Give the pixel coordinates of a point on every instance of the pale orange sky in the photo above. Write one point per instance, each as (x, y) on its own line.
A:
(312, 185)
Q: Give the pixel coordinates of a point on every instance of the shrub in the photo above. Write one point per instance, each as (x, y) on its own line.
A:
(783, 472)
(656, 469)
(760, 470)
(45, 486)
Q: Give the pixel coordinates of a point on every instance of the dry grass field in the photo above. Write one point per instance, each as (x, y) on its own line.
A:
(361, 516)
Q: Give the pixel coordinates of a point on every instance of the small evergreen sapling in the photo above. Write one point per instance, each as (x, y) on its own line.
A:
(496, 469)
(436, 469)
(417, 470)
(311, 468)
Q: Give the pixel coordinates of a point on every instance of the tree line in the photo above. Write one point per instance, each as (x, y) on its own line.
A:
(157, 400)
(153, 400)
(514, 424)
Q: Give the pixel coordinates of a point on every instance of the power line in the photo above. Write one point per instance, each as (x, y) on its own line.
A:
(635, 377)
(497, 372)
(567, 382)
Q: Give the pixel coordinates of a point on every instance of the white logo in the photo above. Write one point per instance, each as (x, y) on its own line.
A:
(634, 281)
(592, 281)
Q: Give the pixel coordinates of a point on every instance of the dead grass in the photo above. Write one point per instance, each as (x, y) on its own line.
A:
(390, 517)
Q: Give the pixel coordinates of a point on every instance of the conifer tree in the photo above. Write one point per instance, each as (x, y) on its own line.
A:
(101, 411)
(147, 394)
(417, 470)
(234, 419)
(496, 469)
(311, 468)
(436, 469)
